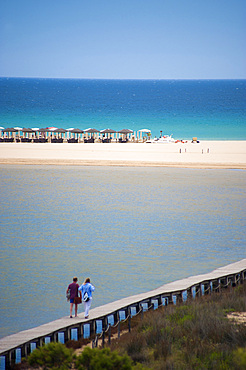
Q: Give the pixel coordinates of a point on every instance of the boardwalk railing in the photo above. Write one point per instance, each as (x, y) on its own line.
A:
(104, 318)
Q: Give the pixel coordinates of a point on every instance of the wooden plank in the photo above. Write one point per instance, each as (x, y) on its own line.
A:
(16, 340)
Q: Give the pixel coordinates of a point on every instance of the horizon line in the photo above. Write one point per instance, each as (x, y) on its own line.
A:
(125, 79)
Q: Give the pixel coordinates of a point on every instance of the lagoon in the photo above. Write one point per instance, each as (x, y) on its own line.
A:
(129, 229)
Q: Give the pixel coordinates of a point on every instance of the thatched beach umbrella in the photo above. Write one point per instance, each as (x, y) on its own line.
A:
(107, 131)
(125, 131)
(91, 131)
(76, 131)
(27, 131)
(43, 132)
(19, 129)
(11, 130)
(35, 130)
(68, 132)
(60, 131)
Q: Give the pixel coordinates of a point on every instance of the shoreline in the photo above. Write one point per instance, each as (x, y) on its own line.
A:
(203, 155)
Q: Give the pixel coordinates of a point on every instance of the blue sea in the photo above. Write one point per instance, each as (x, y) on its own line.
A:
(207, 109)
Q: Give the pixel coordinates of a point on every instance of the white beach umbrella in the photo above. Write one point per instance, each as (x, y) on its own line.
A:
(18, 128)
(145, 130)
(1, 128)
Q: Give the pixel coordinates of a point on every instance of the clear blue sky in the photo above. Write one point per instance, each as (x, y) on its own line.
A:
(160, 39)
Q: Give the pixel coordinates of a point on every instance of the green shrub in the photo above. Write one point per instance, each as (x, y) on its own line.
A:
(195, 335)
(97, 359)
(51, 356)
(240, 358)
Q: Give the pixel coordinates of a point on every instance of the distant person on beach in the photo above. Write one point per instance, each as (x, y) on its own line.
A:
(87, 288)
(73, 287)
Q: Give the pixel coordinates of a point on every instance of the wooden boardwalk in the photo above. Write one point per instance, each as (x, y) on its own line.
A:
(222, 277)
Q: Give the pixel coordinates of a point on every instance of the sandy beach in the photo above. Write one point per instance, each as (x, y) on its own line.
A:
(206, 154)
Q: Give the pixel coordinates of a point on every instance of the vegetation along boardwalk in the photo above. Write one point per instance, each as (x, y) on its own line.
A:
(101, 318)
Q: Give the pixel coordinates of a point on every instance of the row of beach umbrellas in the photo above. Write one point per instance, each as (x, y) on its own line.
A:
(61, 130)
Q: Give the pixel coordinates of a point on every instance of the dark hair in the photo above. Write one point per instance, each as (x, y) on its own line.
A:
(75, 279)
(87, 280)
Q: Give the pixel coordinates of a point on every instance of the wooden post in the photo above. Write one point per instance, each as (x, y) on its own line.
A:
(224, 282)
(242, 277)
(25, 350)
(93, 327)
(159, 300)
(179, 298)
(142, 313)
(216, 286)
(138, 307)
(54, 337)
(8, 360)
(150, 304)
(80, 331)
(170, 299)
(207, 288)
(41, 342)
(104, 323)
(109, 334)
(126, 312)
(67, 334)
(198, 290)
(235, 279)
(119, 330)
(116, 317)
(189, 294)
(129, 321)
